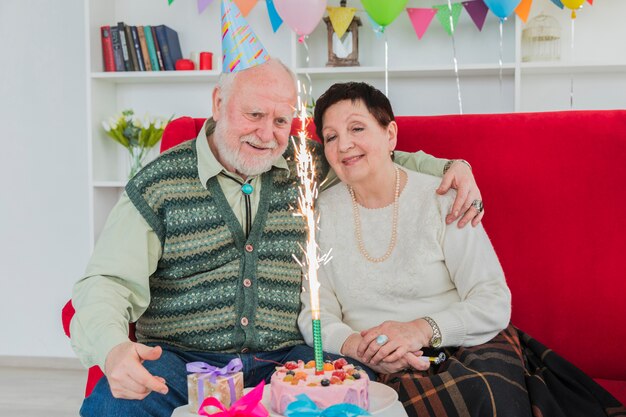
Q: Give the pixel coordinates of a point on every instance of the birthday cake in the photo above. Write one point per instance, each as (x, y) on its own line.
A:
(340, 382)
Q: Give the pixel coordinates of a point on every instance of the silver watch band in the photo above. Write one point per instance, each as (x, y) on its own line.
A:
(435, 340)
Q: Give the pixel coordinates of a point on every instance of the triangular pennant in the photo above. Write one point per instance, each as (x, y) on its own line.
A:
(378, 29)
(590, 2)
(443, 15)
(558, 3)
(245, 5)
(241, 49)
(420, 18)
(477, 9)
(169, 2)
(275, 19)
(203, 4)
(523, 9)
(340, 18)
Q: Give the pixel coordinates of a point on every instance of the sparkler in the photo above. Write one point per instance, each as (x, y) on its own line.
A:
(307, 194)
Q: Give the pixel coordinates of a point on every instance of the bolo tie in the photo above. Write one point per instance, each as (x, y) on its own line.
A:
(246, 189)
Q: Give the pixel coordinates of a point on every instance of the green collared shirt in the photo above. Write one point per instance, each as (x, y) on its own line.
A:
(115, 289)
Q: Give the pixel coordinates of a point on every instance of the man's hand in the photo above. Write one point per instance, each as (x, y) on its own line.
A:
(127, 377)
(459, 176)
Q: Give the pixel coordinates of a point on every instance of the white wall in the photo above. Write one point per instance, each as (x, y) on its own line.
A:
(43, 169)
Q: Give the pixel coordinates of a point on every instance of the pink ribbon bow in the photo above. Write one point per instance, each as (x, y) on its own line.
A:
(247, 406)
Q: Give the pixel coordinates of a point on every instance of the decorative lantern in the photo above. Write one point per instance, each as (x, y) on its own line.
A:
(343, 52)
(541, 39)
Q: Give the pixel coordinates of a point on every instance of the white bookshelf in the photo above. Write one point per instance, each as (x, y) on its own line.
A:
(422, 80)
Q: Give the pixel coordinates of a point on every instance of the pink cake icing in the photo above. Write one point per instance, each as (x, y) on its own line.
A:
(340, 383)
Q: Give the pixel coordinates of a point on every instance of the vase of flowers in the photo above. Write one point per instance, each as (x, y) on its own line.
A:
(137, 135)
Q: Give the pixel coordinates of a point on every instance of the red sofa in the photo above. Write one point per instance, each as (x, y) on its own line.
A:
(552, 187)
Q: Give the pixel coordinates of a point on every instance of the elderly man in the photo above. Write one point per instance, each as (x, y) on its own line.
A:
(198, 253)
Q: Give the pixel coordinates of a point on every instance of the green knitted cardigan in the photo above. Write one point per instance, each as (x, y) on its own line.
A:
(198, 300)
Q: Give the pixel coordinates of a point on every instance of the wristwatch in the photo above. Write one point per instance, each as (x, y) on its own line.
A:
(435, 341)
(449, 163)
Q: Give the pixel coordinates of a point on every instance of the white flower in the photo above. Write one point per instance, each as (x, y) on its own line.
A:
(106, 127)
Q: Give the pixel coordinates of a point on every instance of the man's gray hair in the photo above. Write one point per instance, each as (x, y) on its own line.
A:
(226, 80)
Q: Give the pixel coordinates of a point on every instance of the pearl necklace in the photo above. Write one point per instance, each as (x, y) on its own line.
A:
(394, 224)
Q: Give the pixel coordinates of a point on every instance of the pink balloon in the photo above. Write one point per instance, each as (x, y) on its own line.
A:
(301, 15)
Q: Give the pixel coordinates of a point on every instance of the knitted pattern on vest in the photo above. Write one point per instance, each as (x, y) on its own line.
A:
(197, 297)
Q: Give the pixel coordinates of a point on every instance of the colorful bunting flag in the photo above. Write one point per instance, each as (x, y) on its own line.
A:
(245, 5)
(420, 18)
(169, 2)
(590, 2)
(443, 15)
(275, 19)
(241, 48)
(523, 9)
(203, 4)
(558, 3)
(477, 9)
(340, 18)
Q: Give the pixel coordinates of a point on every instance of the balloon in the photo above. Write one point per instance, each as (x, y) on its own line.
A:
(301, 15)
(384, 12)
(573, 4)
(502, 8)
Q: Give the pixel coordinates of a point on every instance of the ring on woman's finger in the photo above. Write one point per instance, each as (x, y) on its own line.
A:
(478, 205)
(382, 339)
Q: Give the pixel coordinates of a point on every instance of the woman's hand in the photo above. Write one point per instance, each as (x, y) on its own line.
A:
(402, 338)
(410, 360)
(389, 367)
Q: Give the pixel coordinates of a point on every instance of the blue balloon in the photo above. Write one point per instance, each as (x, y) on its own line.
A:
(502, 8)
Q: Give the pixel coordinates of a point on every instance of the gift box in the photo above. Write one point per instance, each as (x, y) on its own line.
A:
(225, 384)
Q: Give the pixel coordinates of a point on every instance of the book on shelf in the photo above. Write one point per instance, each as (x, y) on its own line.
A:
(170, 46)
(118, 56)
(124, 43)
(107, 49)
(130, 45)
(137, 48)
(157, 48)
(154, 62)
(144, 48)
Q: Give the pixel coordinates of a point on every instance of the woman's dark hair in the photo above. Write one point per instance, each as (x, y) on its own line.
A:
(376, 102)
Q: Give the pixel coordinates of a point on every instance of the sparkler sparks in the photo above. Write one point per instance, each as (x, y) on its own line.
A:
(307, 194)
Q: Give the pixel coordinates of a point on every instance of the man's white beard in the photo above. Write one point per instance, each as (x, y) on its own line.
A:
(232, 157)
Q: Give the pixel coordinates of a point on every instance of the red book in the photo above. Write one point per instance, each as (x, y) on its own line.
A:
(107, 49)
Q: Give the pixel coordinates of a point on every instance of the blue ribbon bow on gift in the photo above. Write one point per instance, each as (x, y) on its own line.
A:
(305, 407)
(212, 372)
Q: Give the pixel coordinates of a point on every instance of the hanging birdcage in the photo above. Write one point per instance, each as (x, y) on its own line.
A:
(541, 39)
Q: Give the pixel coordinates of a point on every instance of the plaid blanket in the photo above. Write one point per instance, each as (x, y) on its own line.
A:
(511, 375)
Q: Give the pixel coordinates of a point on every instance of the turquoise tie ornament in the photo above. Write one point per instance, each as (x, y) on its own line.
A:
(247, 189)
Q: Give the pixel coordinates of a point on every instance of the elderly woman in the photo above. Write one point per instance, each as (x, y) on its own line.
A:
(402, 284)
